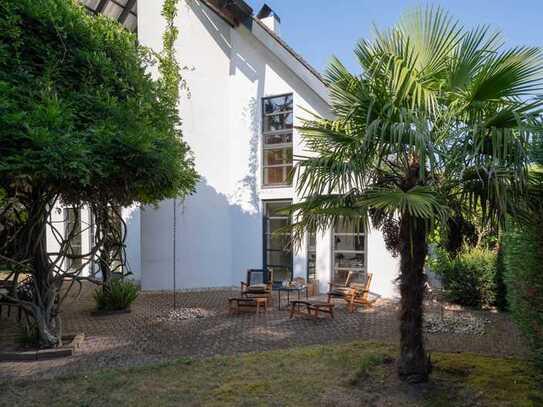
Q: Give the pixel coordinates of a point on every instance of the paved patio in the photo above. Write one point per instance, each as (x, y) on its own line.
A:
(148, 334)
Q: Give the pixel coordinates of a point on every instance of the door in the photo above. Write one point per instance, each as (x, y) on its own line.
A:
(277, 243)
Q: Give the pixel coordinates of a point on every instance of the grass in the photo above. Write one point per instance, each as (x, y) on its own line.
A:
(354, 374)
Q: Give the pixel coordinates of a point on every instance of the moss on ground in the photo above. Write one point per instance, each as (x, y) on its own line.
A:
(353, 374)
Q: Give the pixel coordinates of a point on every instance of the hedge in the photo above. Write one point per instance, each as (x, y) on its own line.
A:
(523, 258)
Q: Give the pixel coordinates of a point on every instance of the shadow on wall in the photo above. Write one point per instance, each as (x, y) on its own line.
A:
(216, 241)
(245, 192)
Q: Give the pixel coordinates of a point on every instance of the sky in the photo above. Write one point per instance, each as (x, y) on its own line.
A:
(318, 29)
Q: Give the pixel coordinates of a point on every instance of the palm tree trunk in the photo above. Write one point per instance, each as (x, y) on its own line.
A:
(414, 366)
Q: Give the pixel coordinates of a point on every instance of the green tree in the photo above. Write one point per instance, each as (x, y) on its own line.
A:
(82, 122)
(438, 114)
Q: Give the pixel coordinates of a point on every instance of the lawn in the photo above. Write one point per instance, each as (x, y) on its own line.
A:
(353, 374)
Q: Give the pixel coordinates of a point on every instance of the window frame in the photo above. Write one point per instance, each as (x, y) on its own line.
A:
(266, 233)
(311, 250)
(363, 270)
(73, 258)
(287, 168)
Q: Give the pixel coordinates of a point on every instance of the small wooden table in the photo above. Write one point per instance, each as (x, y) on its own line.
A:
(311, 308)
(288, 290)
(235, 304)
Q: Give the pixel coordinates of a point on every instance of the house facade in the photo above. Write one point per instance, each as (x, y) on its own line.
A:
(247, 91)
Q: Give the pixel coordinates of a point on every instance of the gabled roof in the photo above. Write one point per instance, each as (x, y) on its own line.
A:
(290, 50)
(236, 12)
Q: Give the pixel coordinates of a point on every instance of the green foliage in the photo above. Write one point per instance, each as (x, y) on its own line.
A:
(501, 286)
(80, 113)
(436, 123)
(81, 120)
(118, 296)
(523, 258)
(469, 277)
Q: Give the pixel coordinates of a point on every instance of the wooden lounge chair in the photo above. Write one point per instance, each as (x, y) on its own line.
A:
(258, 284)
(350, 292)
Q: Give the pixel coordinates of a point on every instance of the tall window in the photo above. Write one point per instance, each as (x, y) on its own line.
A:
(72, 230)
(349, 251)
(311, 256)
(277, 243)
(277, 122)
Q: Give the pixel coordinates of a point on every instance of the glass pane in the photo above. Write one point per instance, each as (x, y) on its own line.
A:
(278, 242)
(278, 245)
(349, 261)
(112, 10)
(349, 242)
(283, 258)
(311, 266)
(270, 139)
(312, 242)
(273, 207)
(340, 276)
(277, 175)
(278, 122)
(73, 230)
(131, 22)
(341, 227)
(275, 223)
(278, 104)
(278, 156)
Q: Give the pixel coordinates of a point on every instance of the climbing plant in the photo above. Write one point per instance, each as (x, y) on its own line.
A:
(82, 121)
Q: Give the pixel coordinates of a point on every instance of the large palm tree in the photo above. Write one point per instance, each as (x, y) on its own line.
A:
(437, 121)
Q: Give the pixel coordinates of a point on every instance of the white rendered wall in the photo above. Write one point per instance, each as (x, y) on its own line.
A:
(219, 228)
(131, 216)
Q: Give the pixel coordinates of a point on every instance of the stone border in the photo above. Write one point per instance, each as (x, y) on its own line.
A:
(192, 290)
(104, 313)
(45, 354)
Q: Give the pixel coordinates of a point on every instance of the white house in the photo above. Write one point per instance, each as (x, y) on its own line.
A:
(248, 89)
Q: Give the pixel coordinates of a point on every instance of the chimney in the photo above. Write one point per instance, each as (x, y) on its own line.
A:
(269, 18)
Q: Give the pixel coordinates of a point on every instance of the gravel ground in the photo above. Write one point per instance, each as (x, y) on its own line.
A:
(200, 326)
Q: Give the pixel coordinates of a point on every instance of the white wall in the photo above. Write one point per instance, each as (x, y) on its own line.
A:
(219, 228)
(132, 216)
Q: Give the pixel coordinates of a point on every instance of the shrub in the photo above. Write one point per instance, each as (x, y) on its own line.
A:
(468, 278)
(523, 258)
(119, 296)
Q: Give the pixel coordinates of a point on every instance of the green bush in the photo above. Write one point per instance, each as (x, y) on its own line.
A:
(469, 278)
(523, 258)
(119, 296)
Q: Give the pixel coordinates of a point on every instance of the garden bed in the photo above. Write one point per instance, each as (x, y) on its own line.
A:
(20, 353)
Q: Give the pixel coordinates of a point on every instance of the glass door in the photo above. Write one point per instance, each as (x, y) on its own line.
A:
(277, 243)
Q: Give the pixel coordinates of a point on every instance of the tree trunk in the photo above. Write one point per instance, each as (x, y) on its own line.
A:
(414, 365)
(45, 287)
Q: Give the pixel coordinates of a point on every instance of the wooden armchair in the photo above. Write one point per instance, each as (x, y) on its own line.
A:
(350, 292)
(258, 284)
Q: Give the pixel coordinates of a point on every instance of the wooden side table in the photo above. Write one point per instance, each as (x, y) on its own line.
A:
(235, 304)
(311, 308)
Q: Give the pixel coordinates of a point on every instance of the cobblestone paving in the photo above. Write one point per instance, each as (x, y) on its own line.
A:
(148, 335)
